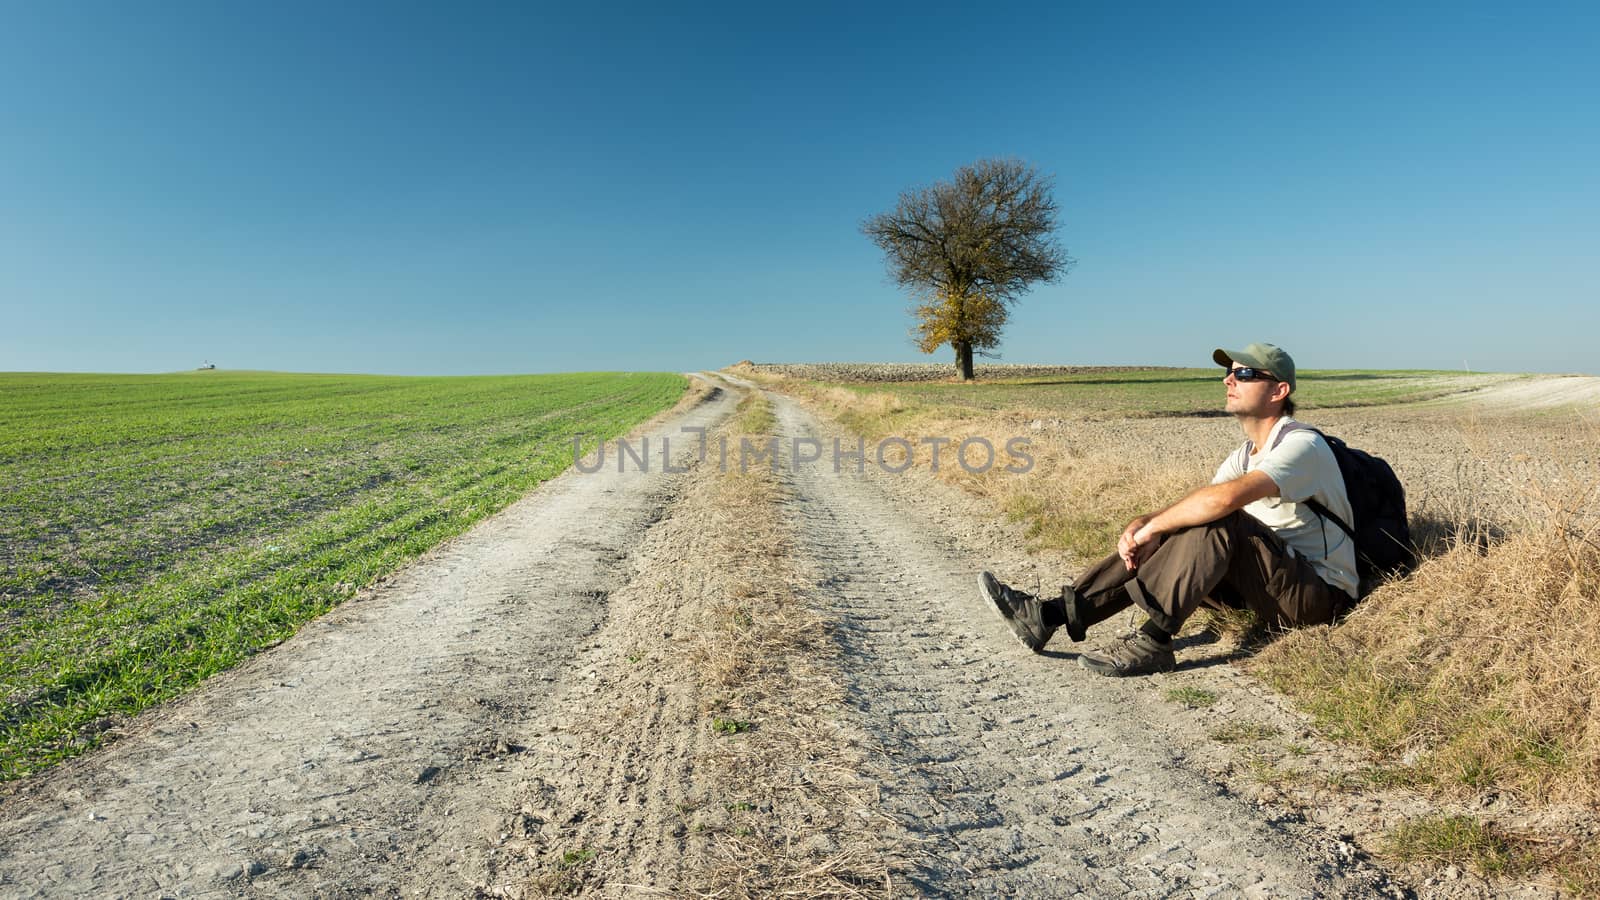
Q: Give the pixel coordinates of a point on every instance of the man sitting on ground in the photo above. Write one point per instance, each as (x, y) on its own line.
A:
(1248, 538)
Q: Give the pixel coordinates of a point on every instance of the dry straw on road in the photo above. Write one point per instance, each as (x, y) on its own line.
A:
(806, 823)
(713, 757)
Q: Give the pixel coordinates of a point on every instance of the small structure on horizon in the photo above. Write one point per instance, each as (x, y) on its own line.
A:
(207, 365)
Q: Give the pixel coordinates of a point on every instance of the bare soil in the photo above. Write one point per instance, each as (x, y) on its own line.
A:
(1540, 393)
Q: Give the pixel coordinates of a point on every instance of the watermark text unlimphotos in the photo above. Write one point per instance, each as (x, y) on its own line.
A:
(891, 454)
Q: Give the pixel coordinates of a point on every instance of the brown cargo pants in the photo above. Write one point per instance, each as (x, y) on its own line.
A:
(1236, 560)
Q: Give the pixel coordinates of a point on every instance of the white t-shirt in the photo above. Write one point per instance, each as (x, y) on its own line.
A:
(1303, 467)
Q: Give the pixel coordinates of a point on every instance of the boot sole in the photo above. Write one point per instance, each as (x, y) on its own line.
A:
(1106, 668)
(1004, 609)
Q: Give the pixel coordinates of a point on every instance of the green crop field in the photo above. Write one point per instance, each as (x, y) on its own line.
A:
(157, 529)
(1168, 392)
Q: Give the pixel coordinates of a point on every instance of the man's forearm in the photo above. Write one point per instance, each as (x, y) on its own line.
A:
(1207, 504)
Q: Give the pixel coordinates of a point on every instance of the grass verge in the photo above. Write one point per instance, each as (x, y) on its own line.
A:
(1489, 848)
(1477, 677)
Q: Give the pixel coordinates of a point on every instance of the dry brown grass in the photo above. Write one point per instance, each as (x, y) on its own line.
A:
(1081, 501)
(797, 818)
(1477, 677)
(1482, 666)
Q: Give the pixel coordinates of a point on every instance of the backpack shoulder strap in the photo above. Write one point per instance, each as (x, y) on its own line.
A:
(1243, 451)
(1316, 506)
(1291, 426)
(1249, 448)
(1327, 513)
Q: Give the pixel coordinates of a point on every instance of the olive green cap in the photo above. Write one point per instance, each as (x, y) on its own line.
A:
(1260, 356)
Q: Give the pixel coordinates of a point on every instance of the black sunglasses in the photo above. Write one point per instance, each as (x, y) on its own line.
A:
(1248, 373)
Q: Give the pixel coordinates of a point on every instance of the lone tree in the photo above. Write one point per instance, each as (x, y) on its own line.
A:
(967, 249)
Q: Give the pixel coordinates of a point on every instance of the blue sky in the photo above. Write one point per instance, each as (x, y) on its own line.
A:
(466, 188)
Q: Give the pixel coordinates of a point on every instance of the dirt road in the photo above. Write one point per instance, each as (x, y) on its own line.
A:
(382, 749)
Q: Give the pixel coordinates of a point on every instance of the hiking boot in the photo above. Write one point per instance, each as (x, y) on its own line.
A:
(1022, 611)
(1136, 654)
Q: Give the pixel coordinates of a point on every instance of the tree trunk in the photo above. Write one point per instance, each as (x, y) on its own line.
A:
(963, 358)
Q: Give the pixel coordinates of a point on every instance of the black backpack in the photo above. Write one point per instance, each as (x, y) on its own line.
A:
(1378, 501)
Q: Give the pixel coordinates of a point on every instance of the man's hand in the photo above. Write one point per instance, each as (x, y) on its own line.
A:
(1212, 502)
(1137, 543)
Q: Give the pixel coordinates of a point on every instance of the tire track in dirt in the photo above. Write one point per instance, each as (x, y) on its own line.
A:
(377, 751)
(611, 768)
(1018, 775)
